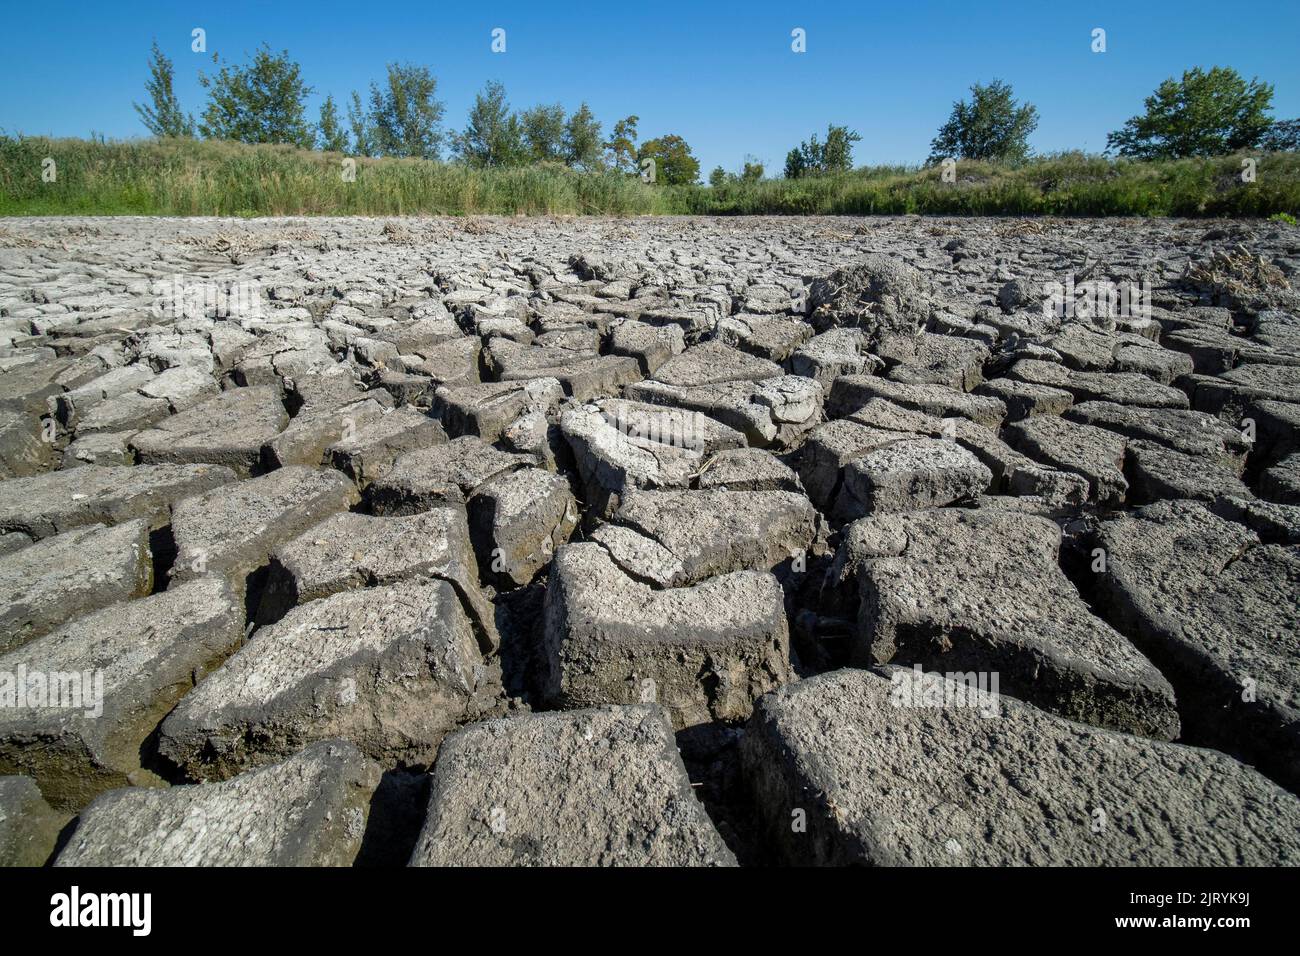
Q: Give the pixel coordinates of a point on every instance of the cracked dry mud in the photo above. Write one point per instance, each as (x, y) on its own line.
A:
(630, 542)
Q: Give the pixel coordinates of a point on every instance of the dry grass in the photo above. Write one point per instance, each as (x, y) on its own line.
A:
(1236, 277)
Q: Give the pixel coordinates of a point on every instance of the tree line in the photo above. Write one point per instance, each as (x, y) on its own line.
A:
(1211, 112)
(263, 100)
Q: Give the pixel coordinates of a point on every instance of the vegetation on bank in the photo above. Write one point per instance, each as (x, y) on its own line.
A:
(1207, 145)
(190, 177)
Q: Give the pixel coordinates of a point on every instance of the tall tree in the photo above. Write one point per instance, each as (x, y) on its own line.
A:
(362, 140)
(543, 131)
(622, 145)
(493, 135)
(405, 115)
(991, 126)
(330, 135)
(837, 154)
(1204, 114)
(582, 139)
(163, 116)
(813, 158)
(796, 163)
(673, 163)
(260, 102)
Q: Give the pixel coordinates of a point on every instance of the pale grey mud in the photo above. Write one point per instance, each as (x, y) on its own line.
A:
(649, 541)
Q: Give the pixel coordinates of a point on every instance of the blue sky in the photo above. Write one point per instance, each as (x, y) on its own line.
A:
(721, 75)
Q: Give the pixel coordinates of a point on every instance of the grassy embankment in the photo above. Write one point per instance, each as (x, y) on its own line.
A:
(202, 178)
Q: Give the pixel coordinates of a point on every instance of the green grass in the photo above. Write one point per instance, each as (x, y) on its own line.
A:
(201, 178)
(1070, 184)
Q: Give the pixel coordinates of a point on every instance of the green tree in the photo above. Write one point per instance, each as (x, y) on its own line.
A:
(330, 135)
(1204, 114)
(796, 164)
(582, 139)
(493, 135)
(163, 116)
(673, 163)
(362, 142)
(543, 131)
(991, 126)
(752, 171)
(813, 158)
(260, 102)
(718, 177)
(405, 115)
(1283, 136)
(622, 145)
(837, 154)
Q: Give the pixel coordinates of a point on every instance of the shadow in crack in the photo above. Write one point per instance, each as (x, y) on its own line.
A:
(711, 753)
(397, 812)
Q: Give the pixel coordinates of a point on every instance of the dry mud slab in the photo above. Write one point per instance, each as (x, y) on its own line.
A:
(649, 542)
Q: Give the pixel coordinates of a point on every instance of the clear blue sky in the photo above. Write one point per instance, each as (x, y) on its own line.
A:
(721, 75)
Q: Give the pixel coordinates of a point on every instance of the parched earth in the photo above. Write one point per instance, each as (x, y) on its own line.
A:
(667, 541)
